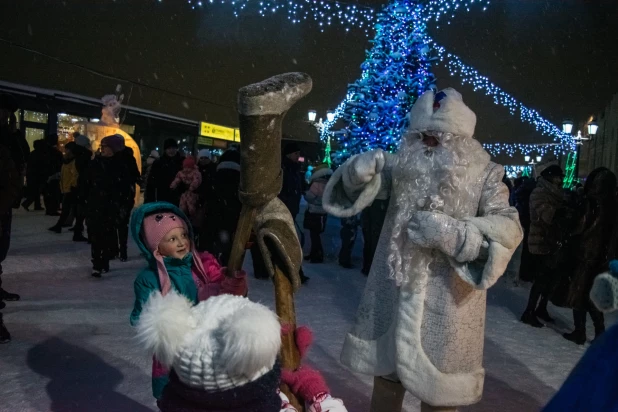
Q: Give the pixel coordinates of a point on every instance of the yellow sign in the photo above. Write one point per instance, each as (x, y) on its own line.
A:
(216, 131)
(204, 141)
(237, 135)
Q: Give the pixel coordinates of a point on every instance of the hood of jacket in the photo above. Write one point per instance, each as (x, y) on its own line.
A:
(137, 221)
(321, 174)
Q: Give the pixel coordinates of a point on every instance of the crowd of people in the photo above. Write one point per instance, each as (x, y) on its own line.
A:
(570, 236)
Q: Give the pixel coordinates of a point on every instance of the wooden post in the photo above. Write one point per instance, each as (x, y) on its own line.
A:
(284, 303)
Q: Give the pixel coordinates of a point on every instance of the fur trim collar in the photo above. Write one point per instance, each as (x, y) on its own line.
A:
(228, 165)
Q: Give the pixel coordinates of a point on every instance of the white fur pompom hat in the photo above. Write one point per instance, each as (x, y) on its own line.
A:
(443, 111)
(222, 343)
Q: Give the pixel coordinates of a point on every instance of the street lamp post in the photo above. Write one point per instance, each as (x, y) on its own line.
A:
(591, 129)
(319, 125)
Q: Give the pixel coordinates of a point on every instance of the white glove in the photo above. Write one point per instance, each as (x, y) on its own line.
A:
(457, 239)
(285, 403)
(364, 167)
(326, 403)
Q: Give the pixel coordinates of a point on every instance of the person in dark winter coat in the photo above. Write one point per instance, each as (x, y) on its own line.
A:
(315, 215)
(132, 179)
(521, 201)
(107, 193)
(13, 139)
(83, 155)
(162, 174)
(226, 210)
(68, 186)
(51, 194)
(206, 194)
(227, 206)
(349, 227)
(292, 189)
(36, 175)
(372, 220)
(11, 181)
(9, 191)
(544, 241)
(593, 254)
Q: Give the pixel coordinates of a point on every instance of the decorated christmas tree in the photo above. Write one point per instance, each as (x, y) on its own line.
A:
(396, 71)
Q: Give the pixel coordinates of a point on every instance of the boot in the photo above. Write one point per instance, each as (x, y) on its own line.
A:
(387, 395)
(543, 314)
(529, 318)
(599, 323)
(578, 336)
(55, 229)
(2, 304)
(78, 237)
(8, 296)
(5, 336)
(123, 255)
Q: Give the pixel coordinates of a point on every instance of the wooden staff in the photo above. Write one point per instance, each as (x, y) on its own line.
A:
(262, 107)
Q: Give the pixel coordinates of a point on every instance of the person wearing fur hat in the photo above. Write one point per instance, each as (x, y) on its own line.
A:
(188, 180)
(164, 235)
(448, 236)
(315, 215)
(162, 174)
(223, 357)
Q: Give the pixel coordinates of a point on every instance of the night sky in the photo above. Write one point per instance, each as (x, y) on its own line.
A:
(558, 56)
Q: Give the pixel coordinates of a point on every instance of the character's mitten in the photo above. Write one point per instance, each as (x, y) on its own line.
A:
(457, 239)
(363, 168)
(604, 293)
(236, 285)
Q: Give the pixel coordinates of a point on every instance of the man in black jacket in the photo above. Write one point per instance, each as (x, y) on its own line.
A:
(162, 174)
(10, 191)
(132, 179)
(292, 188)
(83, 156)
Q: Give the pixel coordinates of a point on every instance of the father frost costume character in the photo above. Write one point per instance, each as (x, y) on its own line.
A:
(449, 234)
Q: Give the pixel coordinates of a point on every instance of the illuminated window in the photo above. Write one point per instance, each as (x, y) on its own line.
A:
(33, 134)
(35, 117)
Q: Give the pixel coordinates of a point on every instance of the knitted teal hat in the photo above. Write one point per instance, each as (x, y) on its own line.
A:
(604, 293)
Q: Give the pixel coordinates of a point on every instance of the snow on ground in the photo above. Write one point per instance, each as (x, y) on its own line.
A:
(73, 348)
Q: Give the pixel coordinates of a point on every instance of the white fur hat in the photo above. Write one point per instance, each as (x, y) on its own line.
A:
(223, 342)
(204, 153)
(444, 111)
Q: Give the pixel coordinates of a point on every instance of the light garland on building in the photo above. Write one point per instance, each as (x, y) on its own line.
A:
(350, 16)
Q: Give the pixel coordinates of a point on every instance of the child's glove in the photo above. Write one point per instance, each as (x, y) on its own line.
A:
(236, 285)
(308, 383)
(305, 382)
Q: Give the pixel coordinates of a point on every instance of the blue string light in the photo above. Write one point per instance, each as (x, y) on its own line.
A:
(350, 16)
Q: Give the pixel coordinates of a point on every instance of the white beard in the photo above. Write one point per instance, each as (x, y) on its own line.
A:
(431, 179)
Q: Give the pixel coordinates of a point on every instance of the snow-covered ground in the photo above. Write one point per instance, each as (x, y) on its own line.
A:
(73, 348)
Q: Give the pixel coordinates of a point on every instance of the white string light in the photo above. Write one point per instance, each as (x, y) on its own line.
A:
(352, 16)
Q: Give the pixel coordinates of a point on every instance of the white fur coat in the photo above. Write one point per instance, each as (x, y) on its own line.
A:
(431, 338)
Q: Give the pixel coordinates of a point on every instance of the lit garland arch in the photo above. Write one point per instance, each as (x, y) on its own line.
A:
(394, 78)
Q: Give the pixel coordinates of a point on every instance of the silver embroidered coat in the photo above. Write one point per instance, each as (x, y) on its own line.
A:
(431, 338)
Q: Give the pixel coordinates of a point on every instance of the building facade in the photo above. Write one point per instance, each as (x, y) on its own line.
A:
(602, 149)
